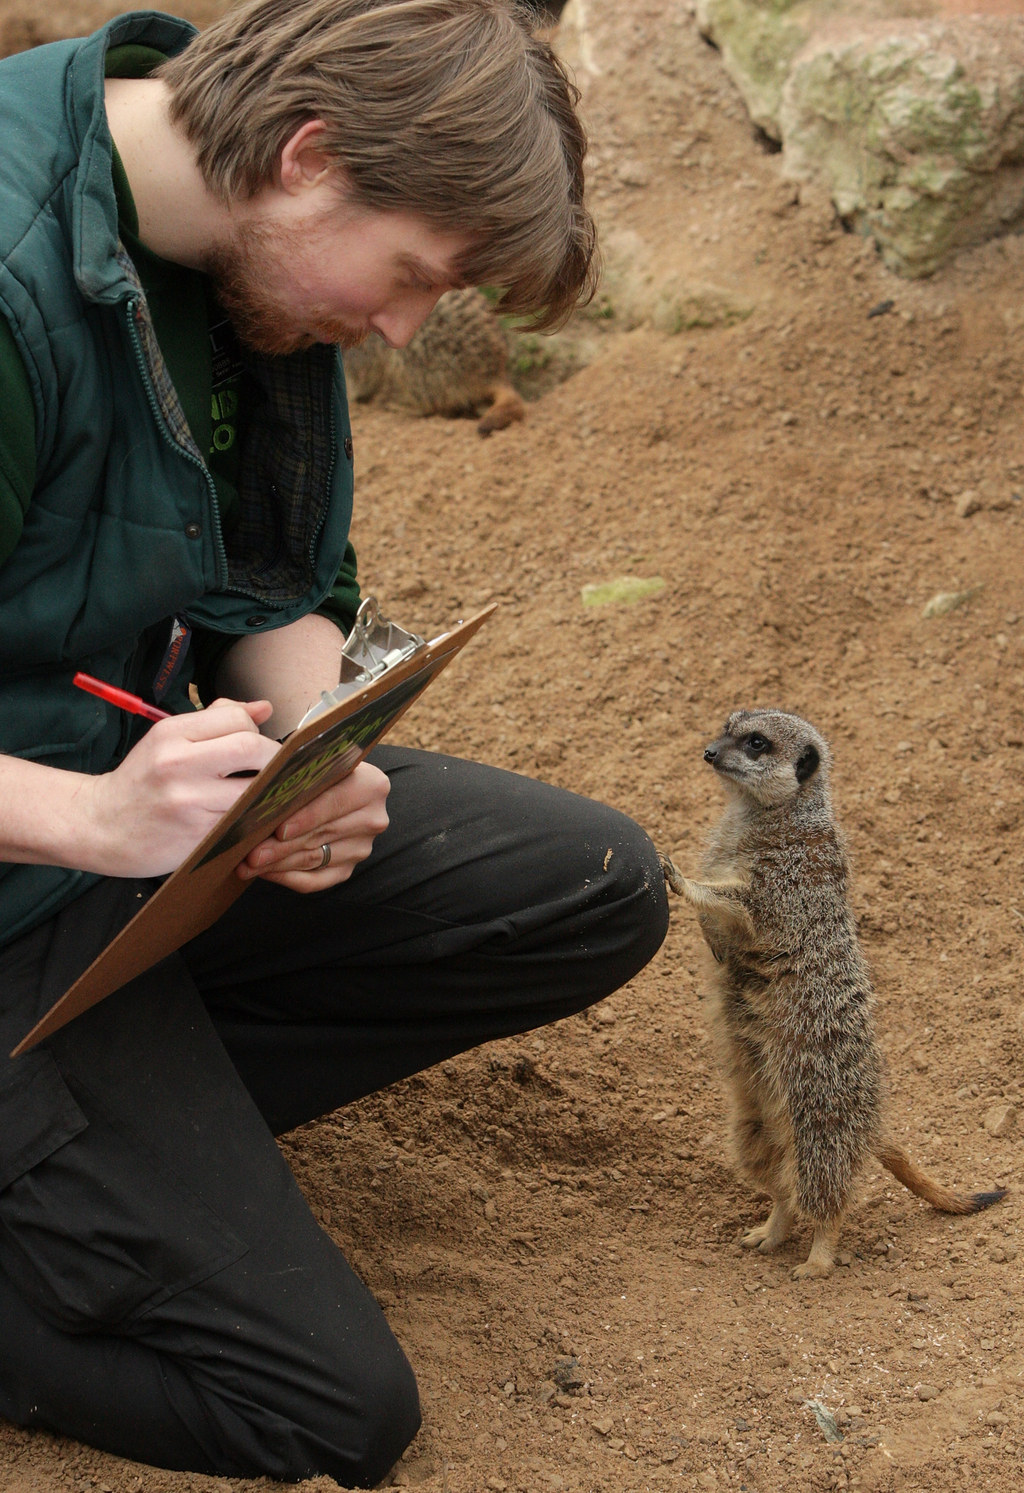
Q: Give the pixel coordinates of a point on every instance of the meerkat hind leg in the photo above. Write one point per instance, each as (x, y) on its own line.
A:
(774, 1231)
(820, 1261)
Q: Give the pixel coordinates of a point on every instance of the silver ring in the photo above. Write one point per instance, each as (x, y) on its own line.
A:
(325, 857)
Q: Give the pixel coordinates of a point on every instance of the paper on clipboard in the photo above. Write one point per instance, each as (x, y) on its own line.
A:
(387, 669)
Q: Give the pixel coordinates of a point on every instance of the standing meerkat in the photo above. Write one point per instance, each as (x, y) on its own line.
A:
(456, 362)
(792, 1001)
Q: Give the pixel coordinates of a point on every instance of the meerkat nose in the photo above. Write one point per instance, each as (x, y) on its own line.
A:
(710, 753)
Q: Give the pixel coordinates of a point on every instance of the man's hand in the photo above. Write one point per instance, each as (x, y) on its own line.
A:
(348, 817)
(147, 815)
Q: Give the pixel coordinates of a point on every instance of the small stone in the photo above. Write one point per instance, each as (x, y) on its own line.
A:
(568, 1374)
(603, 1425)
(490, 1211)
(967, 503)
(999, 1119)
(997, 1418)
(927, 1392)
(633, 174)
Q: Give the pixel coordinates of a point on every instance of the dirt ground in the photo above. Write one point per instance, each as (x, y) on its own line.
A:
(551, 1222)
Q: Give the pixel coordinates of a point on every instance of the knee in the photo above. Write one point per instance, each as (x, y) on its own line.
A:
(635, 898)
(350, 1421)
(388, 1417)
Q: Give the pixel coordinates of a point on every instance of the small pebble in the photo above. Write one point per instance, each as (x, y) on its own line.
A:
(967, 503)
(999, 1119)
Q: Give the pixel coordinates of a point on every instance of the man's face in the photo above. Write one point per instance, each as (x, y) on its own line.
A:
(333, 273)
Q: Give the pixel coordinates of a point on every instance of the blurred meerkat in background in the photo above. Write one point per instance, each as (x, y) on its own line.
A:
(457, 363)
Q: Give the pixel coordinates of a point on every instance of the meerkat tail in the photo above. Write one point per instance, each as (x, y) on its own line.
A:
(506, 409)
(896, 1160)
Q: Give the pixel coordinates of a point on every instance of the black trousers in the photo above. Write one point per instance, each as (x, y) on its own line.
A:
(165, 1293)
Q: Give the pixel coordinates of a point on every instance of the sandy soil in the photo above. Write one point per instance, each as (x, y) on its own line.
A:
(551, 1222)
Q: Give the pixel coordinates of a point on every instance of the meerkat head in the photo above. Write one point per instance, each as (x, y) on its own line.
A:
(770, 756)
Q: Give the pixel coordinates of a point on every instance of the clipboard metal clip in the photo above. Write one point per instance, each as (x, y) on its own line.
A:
(374, 645)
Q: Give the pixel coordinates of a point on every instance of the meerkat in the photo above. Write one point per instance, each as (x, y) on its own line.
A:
(456, 363)
(791, 996)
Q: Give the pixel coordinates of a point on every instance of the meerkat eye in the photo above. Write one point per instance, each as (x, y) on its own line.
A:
(756, 745)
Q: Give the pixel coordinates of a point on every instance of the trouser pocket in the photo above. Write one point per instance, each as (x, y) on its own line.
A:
(100, 1230)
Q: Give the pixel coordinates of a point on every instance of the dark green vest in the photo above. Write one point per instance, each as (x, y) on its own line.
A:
(123, 531)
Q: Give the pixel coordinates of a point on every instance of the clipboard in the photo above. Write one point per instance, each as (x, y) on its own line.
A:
(384, 669)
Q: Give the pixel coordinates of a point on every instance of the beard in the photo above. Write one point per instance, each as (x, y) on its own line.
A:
(244, 272)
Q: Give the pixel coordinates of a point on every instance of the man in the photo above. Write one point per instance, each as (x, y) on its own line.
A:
(189, 227)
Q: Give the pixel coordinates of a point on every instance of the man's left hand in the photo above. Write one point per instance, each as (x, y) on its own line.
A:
(348, 817)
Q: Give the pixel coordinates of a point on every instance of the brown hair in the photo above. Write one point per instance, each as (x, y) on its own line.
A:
(451, 109)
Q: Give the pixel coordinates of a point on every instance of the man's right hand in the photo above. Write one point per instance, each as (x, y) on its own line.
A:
(149, 813)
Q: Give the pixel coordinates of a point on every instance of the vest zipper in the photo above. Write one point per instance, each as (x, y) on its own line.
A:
(324, 506)
(168, 435)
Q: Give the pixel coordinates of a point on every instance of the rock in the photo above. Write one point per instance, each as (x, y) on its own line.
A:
(999, 1119)
(568, 1374)
(912, 122)
(916, 128)
(926, 1392)
(758, 43)
(967, 503)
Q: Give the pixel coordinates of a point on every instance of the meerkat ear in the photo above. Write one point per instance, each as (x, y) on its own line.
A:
(807, 763)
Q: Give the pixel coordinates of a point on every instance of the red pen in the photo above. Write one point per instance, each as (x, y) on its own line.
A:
(120, 697)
